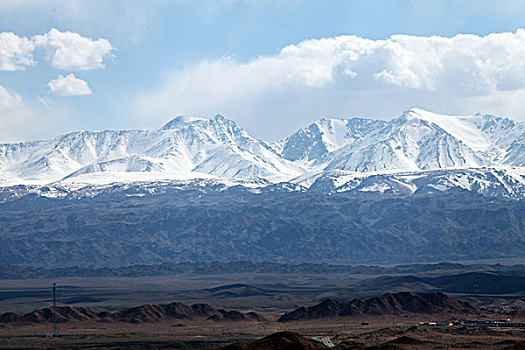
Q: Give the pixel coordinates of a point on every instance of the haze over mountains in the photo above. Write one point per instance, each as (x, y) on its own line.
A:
(418, 150)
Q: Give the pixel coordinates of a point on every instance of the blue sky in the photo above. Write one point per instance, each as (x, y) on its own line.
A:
(206, 57)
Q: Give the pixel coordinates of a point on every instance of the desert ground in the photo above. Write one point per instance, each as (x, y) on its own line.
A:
(270, 295)
(404, 332)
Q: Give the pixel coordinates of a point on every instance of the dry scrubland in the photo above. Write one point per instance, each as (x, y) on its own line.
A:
(271, 296)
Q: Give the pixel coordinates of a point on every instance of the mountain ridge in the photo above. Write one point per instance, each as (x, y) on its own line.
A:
(386, 304)
(146, 313)
(197, 189)
(188, 148)
(128, 225)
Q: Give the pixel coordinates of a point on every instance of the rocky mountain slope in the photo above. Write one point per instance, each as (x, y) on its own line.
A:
(122, 227)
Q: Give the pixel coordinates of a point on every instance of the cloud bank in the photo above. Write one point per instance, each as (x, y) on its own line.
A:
(68, 85)
(71, 51)
(64, 50)
(348, 75)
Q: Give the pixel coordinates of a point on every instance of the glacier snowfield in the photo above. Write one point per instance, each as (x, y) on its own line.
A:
(418, 151)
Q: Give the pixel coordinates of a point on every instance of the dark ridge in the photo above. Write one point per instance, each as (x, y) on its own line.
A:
(289, 227)
(199, 268)
(386, 304)
(63, 314)
(141, 314)
(278, 341)
(519, 346)
(9, 317)
(405, 340)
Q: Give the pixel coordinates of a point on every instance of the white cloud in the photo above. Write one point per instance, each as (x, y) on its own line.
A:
(8, 100)
(15, 52)
(22, 120)
(65, 50)
(69, 85)
(16, 118)
(349, 75)
(71, 51)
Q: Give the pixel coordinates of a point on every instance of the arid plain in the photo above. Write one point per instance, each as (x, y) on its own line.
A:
(271, 295)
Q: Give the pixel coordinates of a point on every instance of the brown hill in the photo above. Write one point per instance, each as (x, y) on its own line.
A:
(9, 317)
(63, 314)
(278, 341)
(386, 304)
(154, 313)
(140, 314)
(233, 315)
(519, 346)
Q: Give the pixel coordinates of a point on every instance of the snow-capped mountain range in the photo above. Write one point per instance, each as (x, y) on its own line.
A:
(417, 151)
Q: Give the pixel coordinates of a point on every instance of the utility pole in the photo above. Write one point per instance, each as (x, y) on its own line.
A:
(55, 333)
(476, 290)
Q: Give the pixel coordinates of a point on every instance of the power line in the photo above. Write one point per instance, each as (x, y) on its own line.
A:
(55, 332)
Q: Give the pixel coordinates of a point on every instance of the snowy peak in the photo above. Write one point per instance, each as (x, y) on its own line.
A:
(185, 146)
(182, 121)
(217, 148)
(326, 135)
(464, 128)
(480, 131)
(418, 140)
(216, 130)
(497, 139)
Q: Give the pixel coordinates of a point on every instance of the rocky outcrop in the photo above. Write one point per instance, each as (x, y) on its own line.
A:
(141, 314)
(386, 304)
